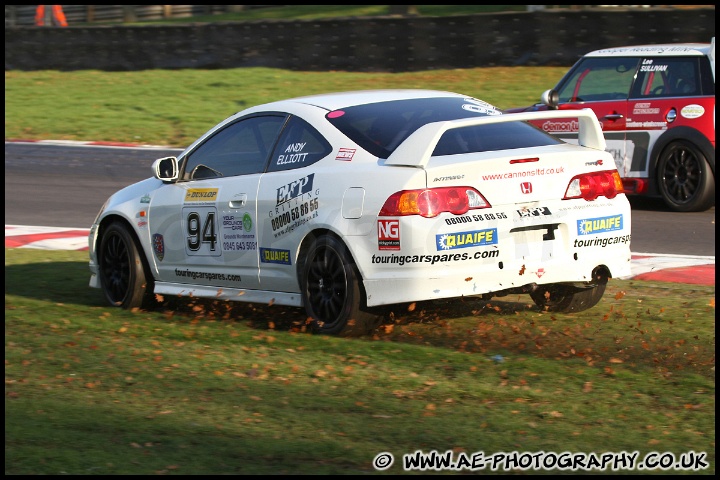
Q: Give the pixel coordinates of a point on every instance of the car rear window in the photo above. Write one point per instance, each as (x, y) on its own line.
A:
(493, 137)
(380, 127)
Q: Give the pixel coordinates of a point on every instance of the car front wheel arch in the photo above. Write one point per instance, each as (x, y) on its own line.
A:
(675, 141)
(685, 179)
(125, 277)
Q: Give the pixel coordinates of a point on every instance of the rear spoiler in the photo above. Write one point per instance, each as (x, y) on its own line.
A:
(417, 149)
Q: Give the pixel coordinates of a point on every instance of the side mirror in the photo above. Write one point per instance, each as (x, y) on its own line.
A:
(550, 98)
(166, 169)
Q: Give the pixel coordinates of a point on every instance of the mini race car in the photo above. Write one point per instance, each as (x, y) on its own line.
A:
(344, 202)
(656, 106)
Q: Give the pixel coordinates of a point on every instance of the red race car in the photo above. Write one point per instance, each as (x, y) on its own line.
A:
(656, 105)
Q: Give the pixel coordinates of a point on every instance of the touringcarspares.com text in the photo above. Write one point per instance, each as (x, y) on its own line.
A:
(206, 275)
(514, 461)
(433, 259)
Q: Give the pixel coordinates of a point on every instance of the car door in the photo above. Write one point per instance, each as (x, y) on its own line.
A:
(207, 222)
(289, 199)
(602, 84)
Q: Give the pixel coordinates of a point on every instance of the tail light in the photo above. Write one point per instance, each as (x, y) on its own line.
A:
(431, 202)
(635, 185)
(593, 185)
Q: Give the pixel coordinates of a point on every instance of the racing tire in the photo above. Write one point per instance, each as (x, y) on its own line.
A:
(122, 272)
(685, 179)
(332, 292)
(566, 298)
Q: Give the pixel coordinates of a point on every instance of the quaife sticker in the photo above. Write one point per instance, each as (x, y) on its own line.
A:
(275, 255)
(692, 111)
(474, 238)
(590, 226)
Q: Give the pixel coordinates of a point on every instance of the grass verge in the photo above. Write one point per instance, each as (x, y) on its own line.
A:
(174, 107)
(212, 388)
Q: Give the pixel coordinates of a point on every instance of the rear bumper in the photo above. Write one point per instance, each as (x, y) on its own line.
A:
(496, 277)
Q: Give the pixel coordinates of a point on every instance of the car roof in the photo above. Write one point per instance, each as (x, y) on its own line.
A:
(337, 100)
(660, 50)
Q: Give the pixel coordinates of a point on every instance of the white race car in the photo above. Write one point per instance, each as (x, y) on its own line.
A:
(343, 202)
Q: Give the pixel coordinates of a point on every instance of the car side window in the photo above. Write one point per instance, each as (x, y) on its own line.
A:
(300, 145)
(597, 79)
(667, 77)
(240, 148)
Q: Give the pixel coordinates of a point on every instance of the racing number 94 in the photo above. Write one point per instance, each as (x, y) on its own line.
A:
(201, 231)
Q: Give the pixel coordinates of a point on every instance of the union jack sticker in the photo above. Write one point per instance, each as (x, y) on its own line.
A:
(345, 154)
(158, 246)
